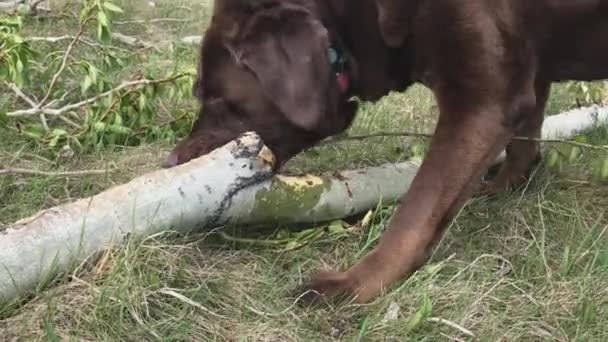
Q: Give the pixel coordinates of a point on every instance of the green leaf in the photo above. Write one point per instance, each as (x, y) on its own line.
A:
(575, 153)
(3, 118)
(142, 101)
(86, 84)
(553, 159)
(102, 19)
(54, 141)
(421, 314)
(599, 170)
(99, 127)
(17, 39)
(19, 65)
(580, 139)
(565, 265)
(34, 131)
(113, 8)
(118, 120)
(100, 33)
(103, 33)
(93, 72)
(336, 228)
(57, 132)
(116, 129)
(419, 149)
(604, 170)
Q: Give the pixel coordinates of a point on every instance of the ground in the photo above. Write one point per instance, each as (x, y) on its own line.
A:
(529, 265)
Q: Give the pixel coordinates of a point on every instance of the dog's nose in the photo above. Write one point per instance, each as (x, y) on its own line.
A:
(171, 161)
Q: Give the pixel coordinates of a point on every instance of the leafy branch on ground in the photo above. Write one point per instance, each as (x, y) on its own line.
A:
(107, 111)
(40, 108)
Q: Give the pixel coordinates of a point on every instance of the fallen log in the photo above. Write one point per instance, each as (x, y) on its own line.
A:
(231, 185)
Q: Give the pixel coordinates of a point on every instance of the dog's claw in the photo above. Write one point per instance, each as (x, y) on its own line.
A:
(325, 287)
(488, 188)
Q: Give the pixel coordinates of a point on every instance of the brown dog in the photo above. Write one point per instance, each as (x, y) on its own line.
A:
(287, 68)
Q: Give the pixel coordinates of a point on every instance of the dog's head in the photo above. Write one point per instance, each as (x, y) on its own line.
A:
(272, 67)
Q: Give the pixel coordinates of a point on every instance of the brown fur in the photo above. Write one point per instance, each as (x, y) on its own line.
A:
(490, 64)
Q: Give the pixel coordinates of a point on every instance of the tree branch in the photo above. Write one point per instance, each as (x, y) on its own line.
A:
(60, 111)
(64, 61)
(20, 94)
(30, 172)
(157, 20)
(428, 135)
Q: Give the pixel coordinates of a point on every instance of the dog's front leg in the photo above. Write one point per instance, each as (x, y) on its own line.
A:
(466, 141)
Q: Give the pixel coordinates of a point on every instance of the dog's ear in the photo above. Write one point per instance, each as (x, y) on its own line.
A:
(227, 18)
(286, 50)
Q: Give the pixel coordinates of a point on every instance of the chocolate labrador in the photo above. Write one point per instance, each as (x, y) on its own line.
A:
(289, 69)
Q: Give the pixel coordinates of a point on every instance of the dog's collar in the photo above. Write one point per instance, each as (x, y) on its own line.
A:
(337, 60)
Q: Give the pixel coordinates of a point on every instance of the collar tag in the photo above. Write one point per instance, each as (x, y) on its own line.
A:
(338, 66)
(336, 59)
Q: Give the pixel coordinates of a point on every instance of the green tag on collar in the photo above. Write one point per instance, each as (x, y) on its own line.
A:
(336, 59)
(333, 56)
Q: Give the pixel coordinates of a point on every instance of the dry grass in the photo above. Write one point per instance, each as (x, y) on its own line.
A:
(531, 265)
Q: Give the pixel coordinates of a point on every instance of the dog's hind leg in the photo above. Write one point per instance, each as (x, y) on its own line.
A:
(522, 155)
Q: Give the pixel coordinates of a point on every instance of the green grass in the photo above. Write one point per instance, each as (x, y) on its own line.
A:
(528, 265)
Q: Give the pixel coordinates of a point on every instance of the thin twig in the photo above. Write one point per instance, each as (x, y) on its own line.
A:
(122, 38)
(60, 111)
(69, 122)
(181, 297)
(144, 21)
(51, 39)
(64, 61)
(375, 135)
(31, 102)
(34, 6)
(84, 40)
(280, 313)
(429, 135)
(452, 324)
(597, 240)
(21, 94)
(451, 338)
(132, 41)
(56, 39)
(567, 142)
(30, 172)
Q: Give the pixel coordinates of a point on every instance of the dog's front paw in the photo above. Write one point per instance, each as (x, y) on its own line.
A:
(489, 188)
(326, 287)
